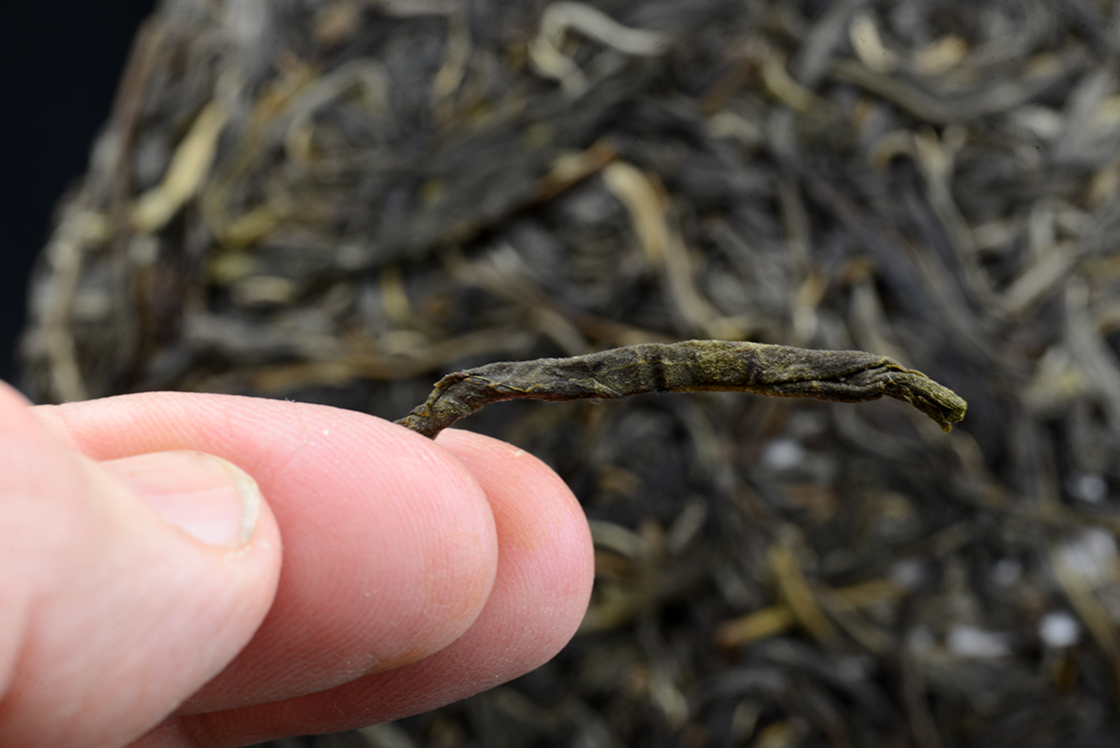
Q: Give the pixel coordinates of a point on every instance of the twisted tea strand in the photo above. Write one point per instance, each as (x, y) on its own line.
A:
(689, 366)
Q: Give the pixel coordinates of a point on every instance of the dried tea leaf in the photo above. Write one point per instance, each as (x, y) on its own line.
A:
(688, 366)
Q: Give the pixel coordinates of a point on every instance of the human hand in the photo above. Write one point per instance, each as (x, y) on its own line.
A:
(414, 572)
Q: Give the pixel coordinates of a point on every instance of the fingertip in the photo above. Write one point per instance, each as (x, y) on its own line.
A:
(539, 521)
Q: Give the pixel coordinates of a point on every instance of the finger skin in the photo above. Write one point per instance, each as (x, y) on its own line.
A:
(389, 543)
(109, 614)
(539, 597)
(414, 572)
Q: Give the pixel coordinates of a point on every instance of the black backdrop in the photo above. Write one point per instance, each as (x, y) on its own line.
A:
(59, 65)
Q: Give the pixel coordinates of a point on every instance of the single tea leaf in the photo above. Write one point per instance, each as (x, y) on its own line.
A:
(688, 366)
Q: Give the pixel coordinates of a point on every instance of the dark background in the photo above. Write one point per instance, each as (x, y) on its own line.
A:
(60, 63)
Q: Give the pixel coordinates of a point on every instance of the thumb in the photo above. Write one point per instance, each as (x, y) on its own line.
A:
(124, 585)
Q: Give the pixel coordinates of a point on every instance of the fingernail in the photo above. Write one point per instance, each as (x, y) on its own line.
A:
(204, 496)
